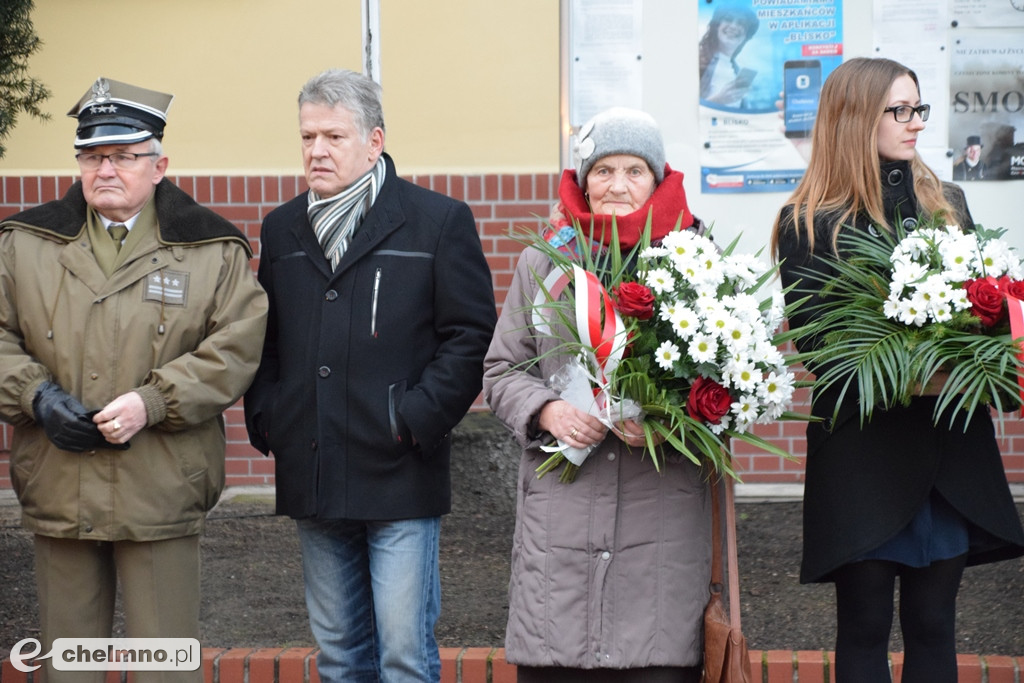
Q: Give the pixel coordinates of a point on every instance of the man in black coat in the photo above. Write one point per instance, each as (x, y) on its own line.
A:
(382, 309)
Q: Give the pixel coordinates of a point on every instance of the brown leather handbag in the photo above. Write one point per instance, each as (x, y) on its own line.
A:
(725, 649)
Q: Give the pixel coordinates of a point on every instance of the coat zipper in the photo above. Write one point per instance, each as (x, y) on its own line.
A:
(373, 304)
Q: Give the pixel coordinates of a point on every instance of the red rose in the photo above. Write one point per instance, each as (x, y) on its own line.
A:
(708, 401)
(986, 301)
(1014, 288)
(634, 299)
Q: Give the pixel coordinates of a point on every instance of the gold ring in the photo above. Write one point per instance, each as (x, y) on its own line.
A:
(117, 425)
(572, 434)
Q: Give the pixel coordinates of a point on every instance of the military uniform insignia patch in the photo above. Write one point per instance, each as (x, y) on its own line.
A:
(169, 287)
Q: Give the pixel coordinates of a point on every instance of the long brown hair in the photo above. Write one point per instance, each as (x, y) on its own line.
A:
(844, 172)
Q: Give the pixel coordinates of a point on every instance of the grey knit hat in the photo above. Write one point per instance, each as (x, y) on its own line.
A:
(619, 131)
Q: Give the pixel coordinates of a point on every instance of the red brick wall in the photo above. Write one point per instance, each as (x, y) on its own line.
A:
(499, 202)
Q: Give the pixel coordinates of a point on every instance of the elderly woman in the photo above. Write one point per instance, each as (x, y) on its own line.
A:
(609, 573)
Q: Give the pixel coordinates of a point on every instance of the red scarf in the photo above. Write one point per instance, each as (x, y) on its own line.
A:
(668, 203)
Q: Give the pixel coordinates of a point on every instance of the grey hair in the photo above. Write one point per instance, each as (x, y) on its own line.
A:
(355, 92)
(155, 146)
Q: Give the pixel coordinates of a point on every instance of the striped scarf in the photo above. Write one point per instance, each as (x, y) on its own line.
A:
(336, 218)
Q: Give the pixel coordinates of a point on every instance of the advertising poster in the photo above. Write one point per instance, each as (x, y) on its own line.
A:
(986, 120)
(762, 63)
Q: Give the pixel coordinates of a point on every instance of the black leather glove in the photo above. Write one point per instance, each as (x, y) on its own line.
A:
(66, 421)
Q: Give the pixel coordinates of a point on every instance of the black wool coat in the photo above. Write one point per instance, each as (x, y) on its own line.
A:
(366, 369)
(865, 483)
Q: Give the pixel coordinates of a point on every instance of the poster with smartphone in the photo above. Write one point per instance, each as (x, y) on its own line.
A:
(761, 70)
(801, 90)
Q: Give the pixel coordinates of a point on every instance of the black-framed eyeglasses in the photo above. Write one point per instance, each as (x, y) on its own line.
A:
(904, 113)
(120, 160)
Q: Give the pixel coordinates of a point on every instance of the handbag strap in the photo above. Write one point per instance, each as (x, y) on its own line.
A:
(716, 533)
(732, 554)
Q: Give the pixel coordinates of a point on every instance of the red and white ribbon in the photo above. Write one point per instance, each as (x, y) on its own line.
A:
(551, 289)
(598, 324)
(603, 336)
(1016, 308)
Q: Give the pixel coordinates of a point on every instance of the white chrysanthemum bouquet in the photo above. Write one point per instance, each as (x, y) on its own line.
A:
(681, 335)
(712, 337)
(940, 272)
(912, 309)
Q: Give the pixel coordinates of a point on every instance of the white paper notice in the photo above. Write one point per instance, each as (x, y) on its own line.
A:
(915, 33)
(989, 13)
(606, 62)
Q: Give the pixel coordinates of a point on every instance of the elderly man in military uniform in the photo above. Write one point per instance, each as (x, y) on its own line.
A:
(129, 320)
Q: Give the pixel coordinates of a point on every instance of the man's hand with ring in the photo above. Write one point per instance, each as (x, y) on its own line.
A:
(122, 418)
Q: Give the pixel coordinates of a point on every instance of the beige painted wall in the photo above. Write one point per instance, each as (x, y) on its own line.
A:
(470, 86)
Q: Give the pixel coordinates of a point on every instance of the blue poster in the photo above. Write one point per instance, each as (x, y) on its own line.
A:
(762, 63)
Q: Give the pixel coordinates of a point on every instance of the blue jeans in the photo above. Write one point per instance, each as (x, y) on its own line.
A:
(373, 592)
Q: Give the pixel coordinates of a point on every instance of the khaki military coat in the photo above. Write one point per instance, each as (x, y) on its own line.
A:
(181, 321)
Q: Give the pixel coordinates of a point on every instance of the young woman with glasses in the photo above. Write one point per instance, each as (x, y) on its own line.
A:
(894, 496)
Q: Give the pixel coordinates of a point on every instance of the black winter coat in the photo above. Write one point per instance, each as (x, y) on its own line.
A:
(366, 369)
(864, 484)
